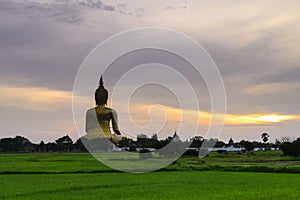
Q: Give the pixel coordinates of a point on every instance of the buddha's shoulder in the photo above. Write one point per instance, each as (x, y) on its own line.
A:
(99, 109)
(91, 111)
(108, 109)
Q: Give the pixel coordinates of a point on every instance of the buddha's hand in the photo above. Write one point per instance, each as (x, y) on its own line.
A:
(117, 132)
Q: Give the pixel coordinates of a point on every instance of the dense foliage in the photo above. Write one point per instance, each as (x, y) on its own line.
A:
(66, 144)
(291, 148)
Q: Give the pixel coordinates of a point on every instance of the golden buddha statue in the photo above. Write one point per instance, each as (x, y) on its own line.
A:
(98, 119)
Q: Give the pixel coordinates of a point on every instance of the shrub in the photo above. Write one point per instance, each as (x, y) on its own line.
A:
(145, 154)
(291, 148)
(191, 152)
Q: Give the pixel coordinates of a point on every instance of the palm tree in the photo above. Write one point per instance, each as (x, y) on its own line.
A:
(265, 138)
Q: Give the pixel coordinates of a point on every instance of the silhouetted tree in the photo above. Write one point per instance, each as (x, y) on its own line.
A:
(42, 146)
(265, 137)
(154, 137)
(220, 144)
(64, 143)
(6, 145)
(64, 140)
(291, 148)
(249, 146)
(197, 142)
(286, 139)
(50, 147)
(145, 142)
(16, 144)
(79, 146)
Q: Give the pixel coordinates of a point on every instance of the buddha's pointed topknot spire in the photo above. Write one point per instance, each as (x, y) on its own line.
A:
(101, 83)
(101, 94)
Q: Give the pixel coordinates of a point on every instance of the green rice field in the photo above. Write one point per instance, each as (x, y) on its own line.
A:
(81, 176)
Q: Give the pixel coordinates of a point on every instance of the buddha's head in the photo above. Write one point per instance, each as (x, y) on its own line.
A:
(101, 94)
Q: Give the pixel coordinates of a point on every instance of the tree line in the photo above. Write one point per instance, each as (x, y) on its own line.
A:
(289, 146)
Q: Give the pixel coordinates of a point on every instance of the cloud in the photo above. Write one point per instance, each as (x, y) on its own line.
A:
(258, 119)
(35, 112)
(35, 99)
(255, 45)
(270, 88)
(41, 47)
(67, 11)
(141, 113)
(60, 12)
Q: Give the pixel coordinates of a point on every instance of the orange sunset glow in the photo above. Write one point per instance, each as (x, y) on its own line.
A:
(176, 114)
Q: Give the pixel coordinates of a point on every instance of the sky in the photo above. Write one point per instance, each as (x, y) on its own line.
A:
(255, 44)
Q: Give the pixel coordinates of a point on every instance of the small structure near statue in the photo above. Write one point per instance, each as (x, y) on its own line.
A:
(225, 149)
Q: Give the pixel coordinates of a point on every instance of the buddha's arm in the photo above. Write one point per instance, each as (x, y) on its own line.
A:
(91, 120)
(115, 122)
(87, 121)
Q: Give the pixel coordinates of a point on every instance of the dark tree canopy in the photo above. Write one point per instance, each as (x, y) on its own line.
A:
(265, 137)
